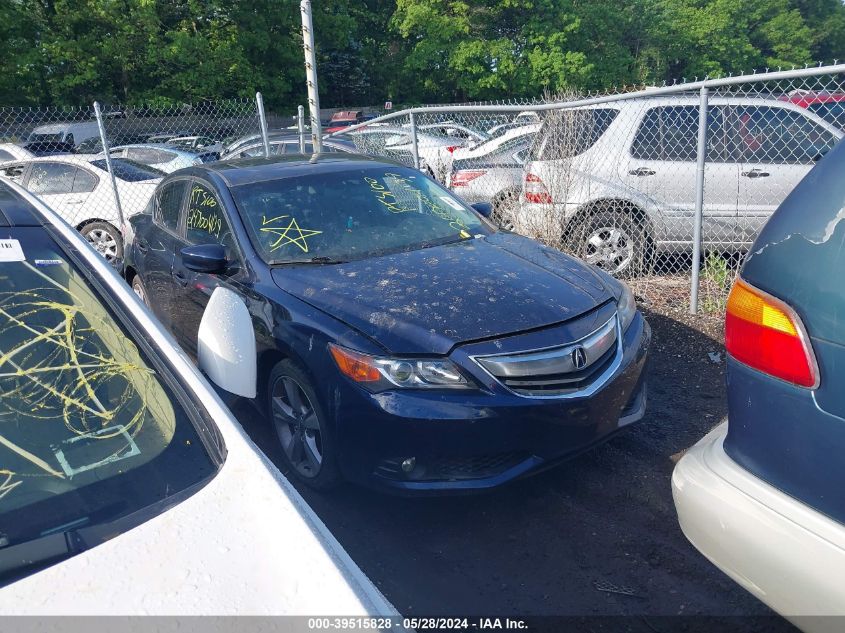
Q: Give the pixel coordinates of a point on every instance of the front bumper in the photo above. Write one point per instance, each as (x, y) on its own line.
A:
(788, 555)
(471, 440)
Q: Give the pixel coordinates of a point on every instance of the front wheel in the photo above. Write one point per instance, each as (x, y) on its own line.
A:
(612, 241)
(302, 427)
(105, 238)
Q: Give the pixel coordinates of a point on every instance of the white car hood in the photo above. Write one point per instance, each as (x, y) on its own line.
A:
(245, 544)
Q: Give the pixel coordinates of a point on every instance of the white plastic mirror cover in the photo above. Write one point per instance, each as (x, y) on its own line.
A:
(226, 344)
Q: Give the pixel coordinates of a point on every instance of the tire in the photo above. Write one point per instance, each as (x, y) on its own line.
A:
(105, 238)
(613, 241)
(139, 289)
(504, 210)
(302, 428)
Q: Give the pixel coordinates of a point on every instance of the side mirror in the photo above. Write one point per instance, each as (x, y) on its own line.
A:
(226, 344)
(205, 258)
(484, 208)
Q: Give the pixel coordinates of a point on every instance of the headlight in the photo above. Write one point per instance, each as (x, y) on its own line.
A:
(626, 306)
(378, 373)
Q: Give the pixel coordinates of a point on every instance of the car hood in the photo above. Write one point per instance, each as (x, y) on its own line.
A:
(245, 544)
(429, 300)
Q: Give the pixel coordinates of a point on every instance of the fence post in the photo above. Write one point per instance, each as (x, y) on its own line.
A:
(104, 140)
(699, 198)
(300, 122)
(262, 120)
(311, 74)
(414, 147)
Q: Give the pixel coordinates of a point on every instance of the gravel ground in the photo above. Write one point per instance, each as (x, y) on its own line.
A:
(596, 536)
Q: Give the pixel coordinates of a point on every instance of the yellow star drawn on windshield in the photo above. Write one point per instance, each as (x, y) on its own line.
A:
(290, 234)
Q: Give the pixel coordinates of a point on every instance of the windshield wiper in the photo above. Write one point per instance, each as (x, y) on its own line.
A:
(313, 260)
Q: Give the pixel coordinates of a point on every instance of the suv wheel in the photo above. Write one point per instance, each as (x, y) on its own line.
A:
(614, 242)
(302, 427)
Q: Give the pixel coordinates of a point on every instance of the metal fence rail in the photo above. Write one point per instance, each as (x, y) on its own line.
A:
(665, 186)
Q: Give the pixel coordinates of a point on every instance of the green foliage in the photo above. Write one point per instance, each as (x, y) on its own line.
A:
(69, 52)
(717, 278)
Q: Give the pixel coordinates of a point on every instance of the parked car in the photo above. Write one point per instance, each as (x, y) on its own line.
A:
(11, 151)
(761, 496)
(468, 136)
(95, 146)
(205, 144)
(492, 172)
(434, 151)
(118, 457)
(72, 133)
(621, 178)
(284, 144)
(377, 362)
(78, 188)
(828, 105)
(343, 119)
(166, 158)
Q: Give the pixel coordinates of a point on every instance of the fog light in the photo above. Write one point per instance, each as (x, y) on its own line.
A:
(408, 464)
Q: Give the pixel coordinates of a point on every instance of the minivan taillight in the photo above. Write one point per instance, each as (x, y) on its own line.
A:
(766, 334)
(535, 190)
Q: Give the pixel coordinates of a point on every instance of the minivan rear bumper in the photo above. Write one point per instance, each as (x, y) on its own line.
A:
(788, 555)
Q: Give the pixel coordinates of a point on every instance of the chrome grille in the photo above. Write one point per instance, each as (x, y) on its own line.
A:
(575, 369)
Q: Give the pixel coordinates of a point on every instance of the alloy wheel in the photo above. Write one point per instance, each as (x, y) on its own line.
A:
(297, 426)
(104, 242)
(609, 248)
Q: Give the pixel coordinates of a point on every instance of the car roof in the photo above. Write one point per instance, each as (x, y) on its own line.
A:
(245, 171)
(163, 146)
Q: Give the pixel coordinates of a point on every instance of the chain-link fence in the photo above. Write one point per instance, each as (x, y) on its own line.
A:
(632, 182)
(60, 155)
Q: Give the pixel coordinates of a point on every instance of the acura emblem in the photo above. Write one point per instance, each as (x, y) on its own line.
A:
(579, 358)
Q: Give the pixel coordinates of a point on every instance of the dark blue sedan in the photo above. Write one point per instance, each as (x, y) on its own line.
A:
(402, 340)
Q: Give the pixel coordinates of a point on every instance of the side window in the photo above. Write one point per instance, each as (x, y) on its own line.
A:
(5, 156)
(205, 220)
(569, 133)
(51, 178)
(779, 136)
(169, 203)
(14, 173)
(85, 182)
(671, 133)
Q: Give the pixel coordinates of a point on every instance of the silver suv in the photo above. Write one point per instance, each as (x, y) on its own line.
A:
(618, 180)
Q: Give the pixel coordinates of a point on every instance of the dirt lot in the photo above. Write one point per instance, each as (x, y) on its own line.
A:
(597, 536)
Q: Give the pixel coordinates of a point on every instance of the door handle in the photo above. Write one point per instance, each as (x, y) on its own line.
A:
(755, 173)
(181, 278)
(642, 171)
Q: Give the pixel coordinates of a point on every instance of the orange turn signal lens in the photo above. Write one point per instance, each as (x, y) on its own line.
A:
(359, 367)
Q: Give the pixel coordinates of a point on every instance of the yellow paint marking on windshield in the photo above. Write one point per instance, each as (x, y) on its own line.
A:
(290, 233)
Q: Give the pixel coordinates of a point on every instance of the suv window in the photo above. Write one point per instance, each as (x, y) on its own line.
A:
(671, 133)
(772, 135)
(169, 203)
(568, 133)
(205, 220)
(51, 178)
(91, 425)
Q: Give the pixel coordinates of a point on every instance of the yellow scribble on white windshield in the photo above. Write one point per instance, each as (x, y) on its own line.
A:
(287, 233)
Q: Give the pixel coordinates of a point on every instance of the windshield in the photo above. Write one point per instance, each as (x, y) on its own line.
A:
(90, 427)
(340, 216)
(129, 170)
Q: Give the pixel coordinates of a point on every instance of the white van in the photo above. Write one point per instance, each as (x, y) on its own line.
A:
(72, 133)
